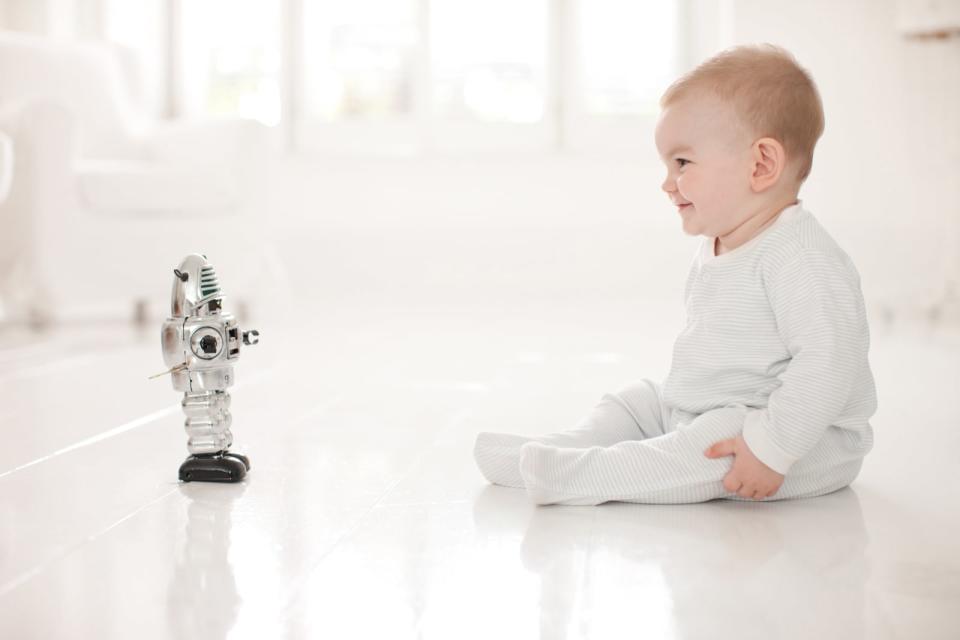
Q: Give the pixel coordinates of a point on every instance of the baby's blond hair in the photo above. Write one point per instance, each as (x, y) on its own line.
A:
(770, 92)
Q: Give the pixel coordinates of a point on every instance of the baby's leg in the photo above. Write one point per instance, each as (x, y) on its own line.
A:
(667, 469)
(831, 465)
(632, 413)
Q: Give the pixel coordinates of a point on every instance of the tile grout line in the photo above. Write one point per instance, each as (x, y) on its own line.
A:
(28, 575)
(56, 366)
(62, 361)
(295, 590)
(106, 435)
(457, 419)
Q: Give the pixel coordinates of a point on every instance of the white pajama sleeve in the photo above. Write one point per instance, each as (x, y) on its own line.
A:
(819, 310)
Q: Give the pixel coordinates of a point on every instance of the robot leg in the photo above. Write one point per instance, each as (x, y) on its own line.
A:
(209, 438)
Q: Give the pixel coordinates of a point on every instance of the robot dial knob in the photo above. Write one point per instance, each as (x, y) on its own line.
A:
(206, 343)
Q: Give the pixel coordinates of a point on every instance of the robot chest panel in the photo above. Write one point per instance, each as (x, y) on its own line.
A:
(210, 342)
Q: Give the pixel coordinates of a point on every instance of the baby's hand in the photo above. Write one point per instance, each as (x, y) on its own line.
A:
(749, 477)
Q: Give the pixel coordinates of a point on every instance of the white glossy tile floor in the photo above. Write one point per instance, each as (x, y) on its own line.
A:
(364, 516)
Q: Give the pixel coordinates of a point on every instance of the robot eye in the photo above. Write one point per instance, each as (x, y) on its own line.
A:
(206, 343)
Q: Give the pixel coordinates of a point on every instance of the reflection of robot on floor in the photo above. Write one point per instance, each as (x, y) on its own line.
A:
(200, 343)
(203, 600)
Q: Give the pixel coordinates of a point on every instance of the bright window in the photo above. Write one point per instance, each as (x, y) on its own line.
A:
(488, 59)
(134, 26)
(415, 74)
(230, 58)
(359, 58)
(627, 54)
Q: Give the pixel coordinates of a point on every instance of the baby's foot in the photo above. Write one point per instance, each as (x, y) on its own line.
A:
(498, 457)
(551, 475)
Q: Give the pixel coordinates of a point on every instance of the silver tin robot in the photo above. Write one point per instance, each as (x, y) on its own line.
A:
(200, 343)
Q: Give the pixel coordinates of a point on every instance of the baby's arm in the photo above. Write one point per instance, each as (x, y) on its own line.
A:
(816, 299)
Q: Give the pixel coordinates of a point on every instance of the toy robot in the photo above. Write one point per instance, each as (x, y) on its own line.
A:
(200, 344)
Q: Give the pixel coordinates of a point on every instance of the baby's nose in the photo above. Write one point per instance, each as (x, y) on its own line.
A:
(668, 185)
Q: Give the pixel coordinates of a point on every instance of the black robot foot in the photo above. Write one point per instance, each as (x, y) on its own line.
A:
(213, 467)
(239, 456)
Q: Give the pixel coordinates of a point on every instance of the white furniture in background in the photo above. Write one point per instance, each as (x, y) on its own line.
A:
(6, 177)
(6, 165)
(107, 200)
(929, 18)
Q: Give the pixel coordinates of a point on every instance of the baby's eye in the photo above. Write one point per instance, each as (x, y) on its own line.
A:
(682, 162)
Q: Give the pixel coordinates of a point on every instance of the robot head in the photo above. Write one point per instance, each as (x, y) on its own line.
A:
(200, 340)
(195, 285)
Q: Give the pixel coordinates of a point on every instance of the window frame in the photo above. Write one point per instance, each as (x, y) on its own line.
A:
(566, 126)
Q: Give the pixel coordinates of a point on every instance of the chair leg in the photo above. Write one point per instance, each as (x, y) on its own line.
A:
(141, 312)
(38, 318)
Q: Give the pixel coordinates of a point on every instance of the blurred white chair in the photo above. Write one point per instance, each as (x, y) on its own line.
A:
(106, 200)
(6, 165)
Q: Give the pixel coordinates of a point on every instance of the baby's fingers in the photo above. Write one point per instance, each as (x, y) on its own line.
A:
(767, 491)
(732, 483)
(720, 449)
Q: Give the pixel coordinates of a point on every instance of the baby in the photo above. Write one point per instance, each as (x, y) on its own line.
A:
(769, 393)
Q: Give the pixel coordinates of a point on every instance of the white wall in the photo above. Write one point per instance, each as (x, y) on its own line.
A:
(456, 229)
(56, 18)
(885, 177)
(884, 182)
(575, 227)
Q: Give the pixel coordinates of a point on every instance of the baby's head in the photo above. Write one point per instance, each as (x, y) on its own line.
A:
(737, 136)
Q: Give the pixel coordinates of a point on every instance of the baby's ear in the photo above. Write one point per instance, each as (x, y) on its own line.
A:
(769, 164)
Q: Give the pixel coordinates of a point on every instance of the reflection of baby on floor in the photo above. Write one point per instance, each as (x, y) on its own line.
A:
(691, 572)
(771, 368)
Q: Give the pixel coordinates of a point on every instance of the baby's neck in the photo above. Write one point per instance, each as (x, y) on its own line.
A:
(751, 228)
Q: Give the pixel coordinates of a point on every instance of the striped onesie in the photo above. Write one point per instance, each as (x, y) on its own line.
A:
(775, 347)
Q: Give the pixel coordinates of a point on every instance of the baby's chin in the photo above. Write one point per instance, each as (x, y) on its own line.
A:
(692, 228)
